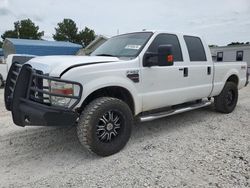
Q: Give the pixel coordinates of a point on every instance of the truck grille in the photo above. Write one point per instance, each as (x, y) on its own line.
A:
(38, 89)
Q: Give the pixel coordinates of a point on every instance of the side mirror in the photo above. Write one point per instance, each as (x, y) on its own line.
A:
(164, 57)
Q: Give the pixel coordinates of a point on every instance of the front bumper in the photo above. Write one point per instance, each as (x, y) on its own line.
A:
(24, 97)
(31, 113)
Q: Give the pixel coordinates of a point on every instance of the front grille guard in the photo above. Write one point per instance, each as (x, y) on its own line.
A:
(11, 84)
(38, 89)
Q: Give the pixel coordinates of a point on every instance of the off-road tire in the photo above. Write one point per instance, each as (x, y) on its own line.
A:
(88, 125)
(227, 100)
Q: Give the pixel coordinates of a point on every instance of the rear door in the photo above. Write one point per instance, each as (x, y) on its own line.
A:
(200, 69)
(190, 78)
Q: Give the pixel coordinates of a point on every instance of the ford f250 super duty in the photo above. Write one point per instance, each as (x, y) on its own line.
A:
(143, 76)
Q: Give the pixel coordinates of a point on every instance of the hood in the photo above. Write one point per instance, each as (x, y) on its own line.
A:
(55, 65)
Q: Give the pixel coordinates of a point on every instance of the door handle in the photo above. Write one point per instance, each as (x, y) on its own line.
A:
(185, 71)
(208, 70)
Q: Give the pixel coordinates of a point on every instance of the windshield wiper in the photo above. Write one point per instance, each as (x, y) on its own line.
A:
(109, 55)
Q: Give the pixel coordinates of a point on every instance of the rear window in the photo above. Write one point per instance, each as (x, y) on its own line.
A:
(195, 48)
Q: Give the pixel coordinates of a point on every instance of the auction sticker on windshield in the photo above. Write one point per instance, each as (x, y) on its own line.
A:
(133, 47)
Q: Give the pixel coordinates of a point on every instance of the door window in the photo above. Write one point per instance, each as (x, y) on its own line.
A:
(167, 39)
(195, 48)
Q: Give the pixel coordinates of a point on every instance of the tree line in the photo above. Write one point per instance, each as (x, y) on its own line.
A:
(231, 44)
(66, 30)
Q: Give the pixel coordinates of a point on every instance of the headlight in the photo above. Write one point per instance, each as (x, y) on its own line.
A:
(66, 92)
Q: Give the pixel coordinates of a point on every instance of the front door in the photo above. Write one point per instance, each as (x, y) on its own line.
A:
(164, 85)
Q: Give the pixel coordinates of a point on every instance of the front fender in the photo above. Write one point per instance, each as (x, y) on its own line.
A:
(110, 81)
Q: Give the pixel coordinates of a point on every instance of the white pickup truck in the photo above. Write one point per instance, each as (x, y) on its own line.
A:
(142, 75)
(4, 67)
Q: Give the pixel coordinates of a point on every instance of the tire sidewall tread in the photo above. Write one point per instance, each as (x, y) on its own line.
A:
(220, 103)
(86, 130)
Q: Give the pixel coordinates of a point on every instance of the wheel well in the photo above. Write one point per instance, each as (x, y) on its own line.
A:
(234, 79)
(112, 91)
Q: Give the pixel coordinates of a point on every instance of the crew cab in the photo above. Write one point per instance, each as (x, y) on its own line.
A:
(135, 76)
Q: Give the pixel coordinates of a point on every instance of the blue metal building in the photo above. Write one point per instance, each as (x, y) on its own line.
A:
(39, 47)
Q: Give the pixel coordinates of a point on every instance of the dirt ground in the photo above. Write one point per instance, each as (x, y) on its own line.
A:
(200, 148)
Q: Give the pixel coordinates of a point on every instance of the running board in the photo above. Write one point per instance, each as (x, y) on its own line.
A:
(172, 112)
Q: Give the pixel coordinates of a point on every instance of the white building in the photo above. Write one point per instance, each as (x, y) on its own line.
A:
(231, 53)
(99, 40)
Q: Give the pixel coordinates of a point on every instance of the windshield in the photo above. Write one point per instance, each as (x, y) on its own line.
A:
(128, 45)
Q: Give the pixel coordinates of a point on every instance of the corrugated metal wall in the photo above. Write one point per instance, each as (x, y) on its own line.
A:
(46, 50)
(229, 54)
(40, 48)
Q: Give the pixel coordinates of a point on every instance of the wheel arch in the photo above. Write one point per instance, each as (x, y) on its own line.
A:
(233, 78)
(118, 92)
(219, 83)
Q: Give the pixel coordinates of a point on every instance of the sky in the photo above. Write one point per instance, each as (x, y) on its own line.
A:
(219, 21)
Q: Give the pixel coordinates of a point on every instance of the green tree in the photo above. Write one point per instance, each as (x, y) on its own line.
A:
(24, 29)
(68, 31)
(237, 43)
(1, 44)
(86, 36)
(9, 34)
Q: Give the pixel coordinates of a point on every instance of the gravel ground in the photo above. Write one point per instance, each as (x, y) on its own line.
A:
(200, 148)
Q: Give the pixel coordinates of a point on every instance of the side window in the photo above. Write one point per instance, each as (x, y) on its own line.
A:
(162, 39)
(195, 48)
(239, 56)
(220, 56)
